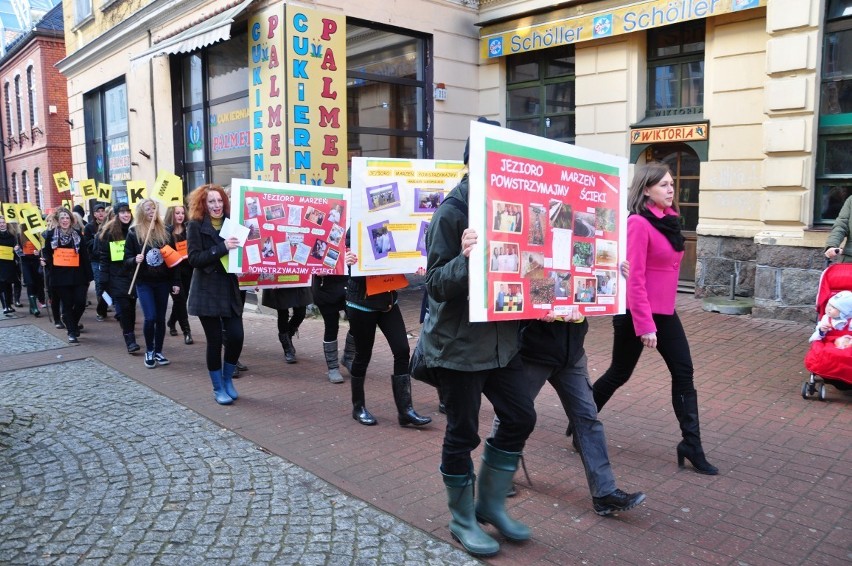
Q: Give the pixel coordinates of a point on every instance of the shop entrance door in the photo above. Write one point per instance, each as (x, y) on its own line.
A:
(686, 168)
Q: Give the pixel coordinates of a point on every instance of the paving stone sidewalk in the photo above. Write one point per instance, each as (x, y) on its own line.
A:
(98, 469)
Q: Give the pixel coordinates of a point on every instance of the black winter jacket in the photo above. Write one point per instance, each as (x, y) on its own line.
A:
(214, 292)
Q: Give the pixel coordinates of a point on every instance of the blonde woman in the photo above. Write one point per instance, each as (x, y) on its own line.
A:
(154, 279)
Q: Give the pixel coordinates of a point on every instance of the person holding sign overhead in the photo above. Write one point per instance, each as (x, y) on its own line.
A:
(8, 247)
(368, 311)
(67, 258)
(176, 224)
(115, 278)
(154, 278)
(214, 294)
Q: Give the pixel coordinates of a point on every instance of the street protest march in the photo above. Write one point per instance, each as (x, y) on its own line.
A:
(287, 232)
(392, 204)
(551, 225)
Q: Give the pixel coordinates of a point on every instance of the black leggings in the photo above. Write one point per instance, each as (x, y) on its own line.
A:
(288, 324)
(214, 328)
(627, 348)
(331, 319)
(362, 325)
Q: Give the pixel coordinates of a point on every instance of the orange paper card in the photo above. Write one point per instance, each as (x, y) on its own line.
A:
(181, 248)
(29, 248)
(170, 256)
(382, 283)
(66, 257)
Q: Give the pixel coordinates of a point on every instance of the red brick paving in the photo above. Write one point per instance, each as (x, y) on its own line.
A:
(783, 496)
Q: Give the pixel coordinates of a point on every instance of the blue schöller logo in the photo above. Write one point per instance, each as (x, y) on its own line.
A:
(495, 47)
(602, 26)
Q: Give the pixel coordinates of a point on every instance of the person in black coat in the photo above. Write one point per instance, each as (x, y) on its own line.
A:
(367, 313)
(115, 278)
(176, 224)
(33, 275)
(214, 294)
(8, 247)
(67, 258)
(90, 236)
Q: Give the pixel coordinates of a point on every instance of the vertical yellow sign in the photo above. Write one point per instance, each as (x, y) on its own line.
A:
(266, 58)
(316, 97)
(63, 183)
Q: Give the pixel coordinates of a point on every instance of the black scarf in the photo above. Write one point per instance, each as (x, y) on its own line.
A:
(668, 226)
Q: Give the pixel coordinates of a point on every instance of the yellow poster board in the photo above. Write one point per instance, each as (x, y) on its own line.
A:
(63, 183)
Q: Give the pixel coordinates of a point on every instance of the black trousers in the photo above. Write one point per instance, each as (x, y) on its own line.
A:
(331, 319)
(73, 301)
(627, 349)
(507, 390)
(363, 324)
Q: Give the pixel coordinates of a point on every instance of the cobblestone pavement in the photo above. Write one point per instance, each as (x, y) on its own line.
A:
(98, 468)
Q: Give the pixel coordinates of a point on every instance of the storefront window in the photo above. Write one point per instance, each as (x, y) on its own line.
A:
(834, 150)
(386, 80)
(540, 93)
(676, 70)
(107, 137)
(214, 110)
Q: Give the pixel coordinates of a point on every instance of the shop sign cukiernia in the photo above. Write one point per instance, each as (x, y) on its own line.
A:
(572, 25)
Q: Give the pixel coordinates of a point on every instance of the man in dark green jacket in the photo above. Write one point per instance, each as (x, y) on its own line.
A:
(841, 233)
(472, 359)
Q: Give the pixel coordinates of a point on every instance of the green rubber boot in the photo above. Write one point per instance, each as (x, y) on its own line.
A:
(495, 481)
(463, 524)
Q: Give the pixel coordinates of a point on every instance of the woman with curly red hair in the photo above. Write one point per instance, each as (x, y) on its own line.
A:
(214, 294)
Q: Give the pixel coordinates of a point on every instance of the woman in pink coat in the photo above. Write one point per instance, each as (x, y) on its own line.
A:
(655, 249)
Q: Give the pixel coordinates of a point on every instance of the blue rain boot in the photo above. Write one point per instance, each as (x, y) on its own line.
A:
(228, 379)
(219, 389)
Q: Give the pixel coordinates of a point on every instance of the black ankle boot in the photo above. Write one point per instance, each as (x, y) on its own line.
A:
(359, 411)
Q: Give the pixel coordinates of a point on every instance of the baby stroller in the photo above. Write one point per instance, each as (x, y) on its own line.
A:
(827, 363)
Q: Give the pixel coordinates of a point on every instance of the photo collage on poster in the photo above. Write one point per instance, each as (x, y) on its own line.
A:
(552, 237)
(392, 204)
(293, 232)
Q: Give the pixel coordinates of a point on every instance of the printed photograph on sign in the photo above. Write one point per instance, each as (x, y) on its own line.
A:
(274, 212)
(254, 228)
(331, 258)
(335, 235)
(538, 220)
(508, 217)
(585, 289)
(427, 200)
(383, 196)
(532, 264)
(508, 297)
(560, 215)
(381, 239)
(268, 248)
(605, 220)
(319, 249)
(504, 257)
(606, 252)
(584, 225)
(314, 216)
(421, 238)
(607, 282)
(252, 207)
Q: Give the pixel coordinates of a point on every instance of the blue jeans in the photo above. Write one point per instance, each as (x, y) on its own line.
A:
(574, 388)
(154, 300)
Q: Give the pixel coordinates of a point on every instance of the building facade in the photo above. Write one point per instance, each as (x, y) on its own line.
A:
(747, 101)
(33, 126)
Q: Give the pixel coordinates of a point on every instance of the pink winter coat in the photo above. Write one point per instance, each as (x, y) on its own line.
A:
(654, 272)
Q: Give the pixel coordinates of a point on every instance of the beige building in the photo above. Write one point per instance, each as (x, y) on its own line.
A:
(749, 101)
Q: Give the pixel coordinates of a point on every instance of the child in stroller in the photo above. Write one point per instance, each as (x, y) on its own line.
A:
(829, 358)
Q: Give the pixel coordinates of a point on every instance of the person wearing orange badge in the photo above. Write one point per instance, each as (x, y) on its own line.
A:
(67, 258)
(176, 224)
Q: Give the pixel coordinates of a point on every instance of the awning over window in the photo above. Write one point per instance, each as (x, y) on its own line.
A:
(216, 28)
